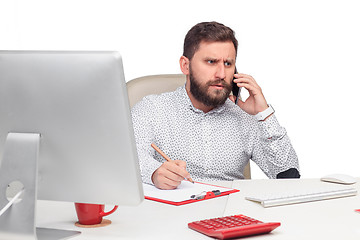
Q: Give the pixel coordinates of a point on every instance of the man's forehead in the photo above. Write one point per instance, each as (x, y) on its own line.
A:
(217, 50)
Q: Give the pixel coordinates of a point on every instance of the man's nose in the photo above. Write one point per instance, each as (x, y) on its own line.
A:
(220, 71)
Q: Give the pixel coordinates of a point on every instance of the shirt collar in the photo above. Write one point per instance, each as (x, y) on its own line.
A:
(188, 104)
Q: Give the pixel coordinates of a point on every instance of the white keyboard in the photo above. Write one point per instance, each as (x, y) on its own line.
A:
(301, 197)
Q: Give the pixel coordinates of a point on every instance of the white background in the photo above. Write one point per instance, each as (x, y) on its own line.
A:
(304, 54)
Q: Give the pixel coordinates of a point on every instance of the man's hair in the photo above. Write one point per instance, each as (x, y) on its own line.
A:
(207, 32)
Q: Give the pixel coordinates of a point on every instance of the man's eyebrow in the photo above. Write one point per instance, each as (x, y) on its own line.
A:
(230, 60)
(211, 58)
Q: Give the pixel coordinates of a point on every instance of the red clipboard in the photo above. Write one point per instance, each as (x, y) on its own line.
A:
(206, 191)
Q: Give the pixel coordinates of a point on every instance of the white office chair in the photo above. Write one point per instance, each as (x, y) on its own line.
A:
(156, 84)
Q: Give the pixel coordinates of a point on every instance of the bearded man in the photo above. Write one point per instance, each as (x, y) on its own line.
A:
(200, 126)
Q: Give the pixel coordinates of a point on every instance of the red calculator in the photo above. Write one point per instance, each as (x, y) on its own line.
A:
(232, 226)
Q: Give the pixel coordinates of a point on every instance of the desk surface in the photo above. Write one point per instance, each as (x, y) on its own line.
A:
(329, 219)
(149, 220)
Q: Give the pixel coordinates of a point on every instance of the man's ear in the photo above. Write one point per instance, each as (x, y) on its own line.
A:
(184, 65)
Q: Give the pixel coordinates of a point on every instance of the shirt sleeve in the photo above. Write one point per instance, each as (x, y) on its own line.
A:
(143, 120)
(273, 151)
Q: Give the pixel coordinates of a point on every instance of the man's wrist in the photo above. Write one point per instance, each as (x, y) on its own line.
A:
(262, 116)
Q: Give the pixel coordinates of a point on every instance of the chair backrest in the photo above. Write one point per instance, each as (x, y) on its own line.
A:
(153, 84)
(156, 84)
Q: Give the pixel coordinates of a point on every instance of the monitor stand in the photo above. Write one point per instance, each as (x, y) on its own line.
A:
(20, 163)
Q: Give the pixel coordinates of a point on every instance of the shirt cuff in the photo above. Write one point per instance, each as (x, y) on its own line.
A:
(270, 128)
(148, 170)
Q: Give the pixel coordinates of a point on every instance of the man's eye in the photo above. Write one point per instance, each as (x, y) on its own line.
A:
(227, 64)
(211, 61)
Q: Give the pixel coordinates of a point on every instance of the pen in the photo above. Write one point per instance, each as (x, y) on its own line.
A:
(203, 194)
(198, 196)
(166, 157)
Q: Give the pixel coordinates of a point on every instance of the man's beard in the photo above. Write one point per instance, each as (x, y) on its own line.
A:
(200, 91)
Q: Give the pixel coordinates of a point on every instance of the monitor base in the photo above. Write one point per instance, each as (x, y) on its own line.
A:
(55, 234)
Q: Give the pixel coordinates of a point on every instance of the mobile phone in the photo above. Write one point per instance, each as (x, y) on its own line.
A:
(236, 90)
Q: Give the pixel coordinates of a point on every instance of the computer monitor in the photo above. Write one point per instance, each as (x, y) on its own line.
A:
(65, 133)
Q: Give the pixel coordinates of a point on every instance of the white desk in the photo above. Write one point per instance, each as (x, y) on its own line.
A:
(329, 219)
(149, 220)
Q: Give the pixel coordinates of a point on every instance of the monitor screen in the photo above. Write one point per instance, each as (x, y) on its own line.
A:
(77, 102)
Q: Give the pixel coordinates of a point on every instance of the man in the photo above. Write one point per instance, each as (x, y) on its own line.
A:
(208, 136)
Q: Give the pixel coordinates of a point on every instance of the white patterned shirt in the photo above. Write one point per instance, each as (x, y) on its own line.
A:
(215, 146)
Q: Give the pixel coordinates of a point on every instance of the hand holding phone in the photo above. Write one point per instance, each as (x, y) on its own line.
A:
(255, 102)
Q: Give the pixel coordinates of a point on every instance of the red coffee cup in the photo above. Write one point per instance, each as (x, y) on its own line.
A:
(91, 214)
